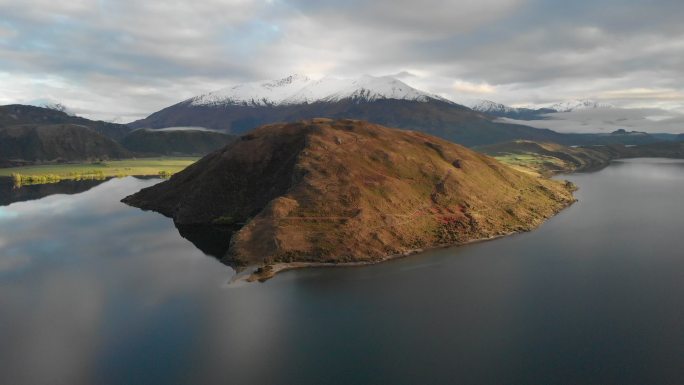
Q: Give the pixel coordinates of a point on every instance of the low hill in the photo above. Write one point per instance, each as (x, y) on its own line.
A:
(175, 142)
(552, 158)
(22, 144)
(548, 158)
(18, 114)
(324, 191)
(654, 150)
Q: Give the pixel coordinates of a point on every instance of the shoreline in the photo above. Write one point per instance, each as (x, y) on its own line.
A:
(264, 273)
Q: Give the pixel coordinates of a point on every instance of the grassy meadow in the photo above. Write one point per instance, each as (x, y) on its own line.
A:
(52, 173)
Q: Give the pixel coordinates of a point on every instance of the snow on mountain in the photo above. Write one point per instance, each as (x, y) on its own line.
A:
(317, 90)
(578, 105)
(371, 88)
(487, 106)
(254, 94)
(299, 89)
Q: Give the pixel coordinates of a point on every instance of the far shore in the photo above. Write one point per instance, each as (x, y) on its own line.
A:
(163, 167)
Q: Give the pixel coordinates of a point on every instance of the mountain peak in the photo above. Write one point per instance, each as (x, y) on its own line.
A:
(300, 89)
(371, 88)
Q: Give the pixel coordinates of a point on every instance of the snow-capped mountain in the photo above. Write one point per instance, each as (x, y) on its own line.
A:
(377, 99)
(300, 89)
(488, 106)
(503, 111)
(371, 88)
(578, 105)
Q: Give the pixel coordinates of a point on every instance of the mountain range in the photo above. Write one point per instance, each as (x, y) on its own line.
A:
(529, 113)
(17, 114)
(31, 135)
(383, 100)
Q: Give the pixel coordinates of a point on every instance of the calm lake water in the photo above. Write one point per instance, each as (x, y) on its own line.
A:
(95, 292)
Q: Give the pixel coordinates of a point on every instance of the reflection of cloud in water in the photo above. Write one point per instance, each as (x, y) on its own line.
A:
(7, 214)
(13, 262)
(10, 194)
(55, 325)
(82, 272)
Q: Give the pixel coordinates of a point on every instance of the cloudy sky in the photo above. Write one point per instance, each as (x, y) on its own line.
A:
(123, 59)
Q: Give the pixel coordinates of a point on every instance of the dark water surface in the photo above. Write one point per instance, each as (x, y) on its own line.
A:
(95, 292)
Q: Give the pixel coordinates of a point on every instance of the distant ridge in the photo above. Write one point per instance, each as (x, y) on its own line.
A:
(15, 114)
(502, 110)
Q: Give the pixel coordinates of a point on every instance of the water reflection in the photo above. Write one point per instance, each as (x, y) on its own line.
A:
(83, 277)
(212, 240)
(95, 292)
(10, 194)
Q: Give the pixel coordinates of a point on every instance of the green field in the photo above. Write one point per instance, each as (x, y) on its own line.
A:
(51, 173)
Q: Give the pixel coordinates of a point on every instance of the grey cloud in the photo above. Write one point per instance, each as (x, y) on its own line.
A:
(129, 58)
(649, 120)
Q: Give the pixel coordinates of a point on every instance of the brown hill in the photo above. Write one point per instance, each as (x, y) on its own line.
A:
(349, 191)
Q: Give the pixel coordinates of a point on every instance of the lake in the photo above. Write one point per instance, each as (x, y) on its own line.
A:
(95, 292)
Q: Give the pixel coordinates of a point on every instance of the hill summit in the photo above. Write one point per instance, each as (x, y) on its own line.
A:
(346, 191)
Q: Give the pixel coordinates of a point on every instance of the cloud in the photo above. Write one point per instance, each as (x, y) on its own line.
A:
(125, 59)
(651, 120)
(461, 86)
